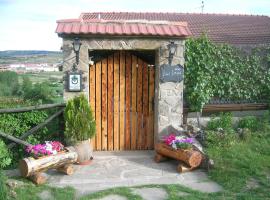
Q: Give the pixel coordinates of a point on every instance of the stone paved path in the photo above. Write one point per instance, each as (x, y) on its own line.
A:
(129, 168)
(151, 193)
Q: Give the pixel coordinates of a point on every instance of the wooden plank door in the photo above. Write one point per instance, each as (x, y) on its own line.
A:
(121, 94)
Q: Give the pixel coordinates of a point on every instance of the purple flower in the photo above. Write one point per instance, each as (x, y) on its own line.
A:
(188, 140)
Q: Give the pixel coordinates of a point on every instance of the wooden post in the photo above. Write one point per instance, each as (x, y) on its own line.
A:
(61, 125)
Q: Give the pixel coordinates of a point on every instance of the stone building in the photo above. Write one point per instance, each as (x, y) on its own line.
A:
(132, 105)
(124, 59)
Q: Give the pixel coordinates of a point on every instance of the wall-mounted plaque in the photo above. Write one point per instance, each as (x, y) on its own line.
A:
(74, 82)
(170, 73)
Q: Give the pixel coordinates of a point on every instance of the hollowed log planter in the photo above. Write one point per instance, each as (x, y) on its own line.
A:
(190, 157)
(32, 168)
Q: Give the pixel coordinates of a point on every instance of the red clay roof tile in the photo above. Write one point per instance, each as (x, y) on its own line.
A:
(221, 28)
(123, 27)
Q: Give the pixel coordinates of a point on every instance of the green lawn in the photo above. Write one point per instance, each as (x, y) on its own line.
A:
(244, 168)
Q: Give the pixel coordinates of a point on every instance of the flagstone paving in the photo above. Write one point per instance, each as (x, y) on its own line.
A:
(151, 193)
(130, 168)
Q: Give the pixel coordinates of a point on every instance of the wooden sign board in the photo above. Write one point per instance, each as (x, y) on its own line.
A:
(174, 73)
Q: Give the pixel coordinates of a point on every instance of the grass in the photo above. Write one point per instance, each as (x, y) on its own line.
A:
(42, 76)
(122, 191)
(172, 190)
(241, 164)
(32, 192)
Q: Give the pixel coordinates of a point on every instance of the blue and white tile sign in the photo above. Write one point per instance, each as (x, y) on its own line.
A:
(170, 73)
(75, 82)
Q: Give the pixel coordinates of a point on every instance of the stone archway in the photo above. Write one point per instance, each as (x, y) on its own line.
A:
(168, 110)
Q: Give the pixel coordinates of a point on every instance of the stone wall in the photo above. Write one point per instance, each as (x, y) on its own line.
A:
(68, 61)
(168, 96)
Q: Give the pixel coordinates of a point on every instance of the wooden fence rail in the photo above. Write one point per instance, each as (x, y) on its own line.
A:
(33, 130)
(211, 108)
(36, 128)
(13, 139)
(31, 108)
(231, 107)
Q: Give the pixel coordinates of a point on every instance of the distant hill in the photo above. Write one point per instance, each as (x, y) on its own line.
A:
(30, 56)
(14, 53)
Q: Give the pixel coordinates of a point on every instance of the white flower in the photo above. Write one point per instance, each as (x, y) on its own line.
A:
(179, 137)
(48, 147)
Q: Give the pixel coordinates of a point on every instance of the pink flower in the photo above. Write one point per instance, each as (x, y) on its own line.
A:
(45, 149)
(29, 148)
(169, 139)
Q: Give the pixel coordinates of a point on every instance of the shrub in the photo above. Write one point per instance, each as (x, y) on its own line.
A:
(5, 158)
(11, 102)
(220, 131)
(264, 122)
(223, 122)
(249, 122)
(266, 117)
(218, 139)
(79, 121)
(3, 187)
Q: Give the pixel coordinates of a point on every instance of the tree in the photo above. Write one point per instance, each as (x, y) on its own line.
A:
(27, 86)
(41, 92)
(9, 83)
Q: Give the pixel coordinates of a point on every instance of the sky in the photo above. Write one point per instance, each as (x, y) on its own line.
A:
(31, 24)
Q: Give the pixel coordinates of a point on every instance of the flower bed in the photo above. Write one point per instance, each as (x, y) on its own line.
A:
(49, 148)
(178, 142)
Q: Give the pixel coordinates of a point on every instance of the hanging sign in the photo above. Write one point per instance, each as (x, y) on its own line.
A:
(74, 82)
(174, 73)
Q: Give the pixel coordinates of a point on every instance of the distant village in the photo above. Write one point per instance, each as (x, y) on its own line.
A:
(30, 68)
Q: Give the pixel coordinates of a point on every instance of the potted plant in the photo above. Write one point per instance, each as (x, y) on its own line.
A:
(80, 127)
